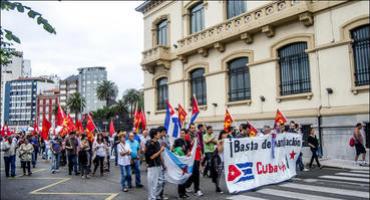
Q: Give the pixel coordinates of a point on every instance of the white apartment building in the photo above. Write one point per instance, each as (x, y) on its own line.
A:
(310, 59)
(18, 67)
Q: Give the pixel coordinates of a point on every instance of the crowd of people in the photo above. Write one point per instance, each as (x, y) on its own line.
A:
(131, 150)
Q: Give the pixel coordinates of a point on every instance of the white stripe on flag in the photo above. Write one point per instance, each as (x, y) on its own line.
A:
(327, 190)
(293, 195)
(346, 178)
(242, 197)
(353, 174)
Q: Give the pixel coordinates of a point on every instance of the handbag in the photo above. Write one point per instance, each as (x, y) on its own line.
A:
(352, 142)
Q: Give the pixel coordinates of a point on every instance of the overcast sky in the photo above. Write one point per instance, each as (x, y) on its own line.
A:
(89, 33)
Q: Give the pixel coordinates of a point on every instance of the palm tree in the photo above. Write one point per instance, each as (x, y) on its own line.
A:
(76, 103)
(106, 91)
(133, 98)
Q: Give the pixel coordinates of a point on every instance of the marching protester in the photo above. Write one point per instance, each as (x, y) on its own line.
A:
(115, 143)
(314, 144)
(217, 162)
(56, 148)
(181, 148)
(194, 178)
(124, 152)
(35, 143)
(359, 145)
(243, 131)
(210, 141)
(153, 159)
(100, 150)
(135, 159)
(83, 156)
(164, 142)
(25, 154)
(72, 149)
(266, 130)
(106, 141)
(144, 138)
(9, 148)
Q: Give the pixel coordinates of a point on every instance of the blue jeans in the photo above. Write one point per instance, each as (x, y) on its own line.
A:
(34, 157)
(136, 169)
(299, 162)
(55, 160)
(9, 162)
(125, 176)
(72, 164)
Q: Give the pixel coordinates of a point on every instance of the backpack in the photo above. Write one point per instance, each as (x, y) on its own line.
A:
(352, 142)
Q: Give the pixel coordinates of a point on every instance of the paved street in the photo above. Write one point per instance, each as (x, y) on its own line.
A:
(317, 184)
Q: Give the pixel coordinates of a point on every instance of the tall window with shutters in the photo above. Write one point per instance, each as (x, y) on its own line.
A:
(294, 69)
(162, 93)
(197, 18)
(239, 80)
(361, 53)
(162, 30)
(198, 85)
(234, 8)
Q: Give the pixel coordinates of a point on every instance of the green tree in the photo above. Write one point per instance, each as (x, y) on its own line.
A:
(107, 91)
(133, 99)
(76, 103)
(7, 51)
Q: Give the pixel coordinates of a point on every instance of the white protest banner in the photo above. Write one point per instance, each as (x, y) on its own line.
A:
(249, 162)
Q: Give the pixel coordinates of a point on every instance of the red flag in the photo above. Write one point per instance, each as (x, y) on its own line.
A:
(45, 128)
(280, 118)
(227, 121)
(252, 130)
(35, 128)
(182, 115)
(111, 128)
(71, 125)
(79, 127)
(5, 130)
(143, 121)
(60, 116)
(90, 128)
(137, 120)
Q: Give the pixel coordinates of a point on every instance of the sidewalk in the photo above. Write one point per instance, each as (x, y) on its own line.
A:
(342, 164)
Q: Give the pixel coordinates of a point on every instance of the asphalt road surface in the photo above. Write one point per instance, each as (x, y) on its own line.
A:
(324, 184)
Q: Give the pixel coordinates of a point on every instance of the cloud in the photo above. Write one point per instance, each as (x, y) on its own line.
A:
(89, 33)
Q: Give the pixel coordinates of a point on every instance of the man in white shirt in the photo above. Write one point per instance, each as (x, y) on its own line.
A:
(124, 161)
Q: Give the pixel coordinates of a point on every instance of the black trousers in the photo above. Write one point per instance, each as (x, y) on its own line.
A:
(194, 178)
(207, 163)
(99, 161)
(26, 164)
(314, 156)
(181, 189)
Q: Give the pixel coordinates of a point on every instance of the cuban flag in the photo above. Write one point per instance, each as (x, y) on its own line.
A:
(240, 172)
(172, 123)
(181, 167)
(195, 110)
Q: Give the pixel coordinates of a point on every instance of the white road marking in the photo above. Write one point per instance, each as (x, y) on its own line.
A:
(345, 192)
(353, 174)
(242, 197)
(360, 171)
(366, 180)
(294, 195)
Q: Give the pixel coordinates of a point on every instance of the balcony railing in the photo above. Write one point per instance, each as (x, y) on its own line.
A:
(243, 26)
(159, 55)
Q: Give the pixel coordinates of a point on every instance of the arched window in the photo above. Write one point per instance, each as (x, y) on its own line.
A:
(197, 18)
(198, 85)
(239, 80)
(294, 69)
(162, 36)
(234, 8)
(162, 93)
(361, 54)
